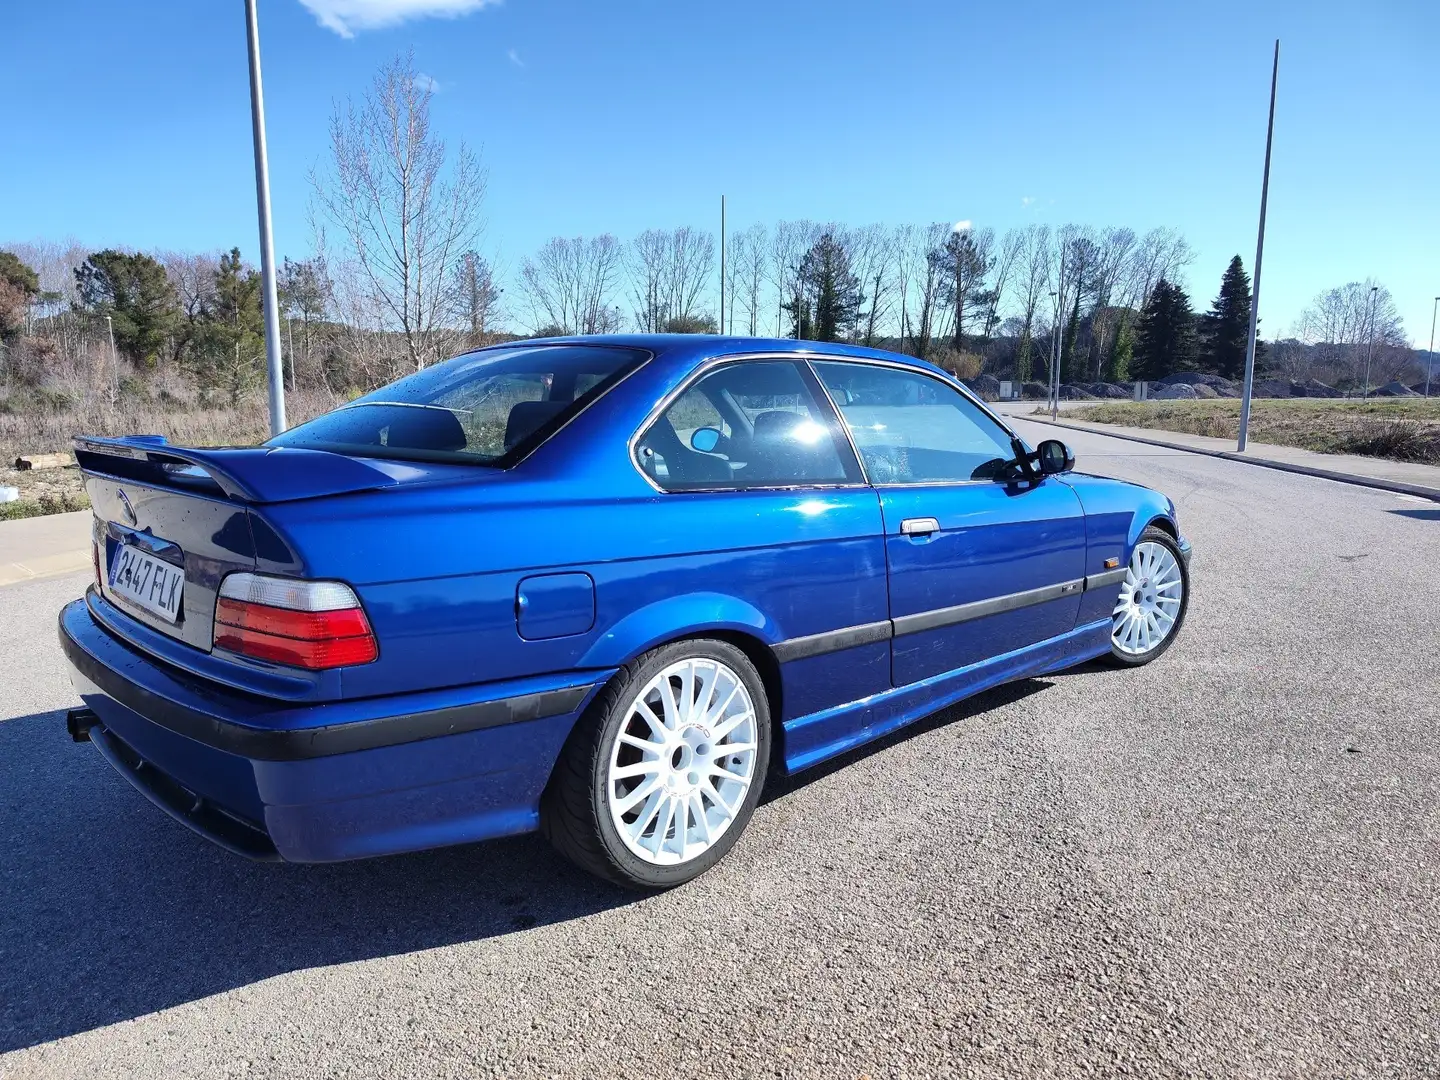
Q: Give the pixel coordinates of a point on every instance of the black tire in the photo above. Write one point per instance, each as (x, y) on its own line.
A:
(574, 810)
(1154, 534)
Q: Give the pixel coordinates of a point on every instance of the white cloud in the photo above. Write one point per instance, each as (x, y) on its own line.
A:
(428, 83)
(347, 17)
(963, 226)
(515, 58)
(1026, 200)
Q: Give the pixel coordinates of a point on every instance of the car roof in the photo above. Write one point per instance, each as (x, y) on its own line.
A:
(687, 349)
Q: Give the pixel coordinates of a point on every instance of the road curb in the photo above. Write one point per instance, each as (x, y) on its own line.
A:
(1398, 486)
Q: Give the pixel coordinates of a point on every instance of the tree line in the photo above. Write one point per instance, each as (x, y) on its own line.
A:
(396, 280)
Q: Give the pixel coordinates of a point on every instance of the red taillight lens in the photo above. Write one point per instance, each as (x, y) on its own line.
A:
(321, 627)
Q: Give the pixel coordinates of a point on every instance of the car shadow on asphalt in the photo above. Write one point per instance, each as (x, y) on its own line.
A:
(779, 785)
(1422, 515)
(109, 910)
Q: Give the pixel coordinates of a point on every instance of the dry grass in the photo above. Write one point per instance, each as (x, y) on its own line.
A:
(41, 421)
(1401, 429)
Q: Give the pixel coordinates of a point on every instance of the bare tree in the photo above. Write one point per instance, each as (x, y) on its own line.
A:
(1003, 266)
(1033, 284)
(787, 246)
(752, 266)
(1114, 249)
(408, 215)
(1341, 323)
(570, 285)
(193, 279)
(668, 269)
(872, 257)
(1160, 253)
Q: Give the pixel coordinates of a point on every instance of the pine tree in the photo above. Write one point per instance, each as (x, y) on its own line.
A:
(230, 353)
(964, 265)
(1165, 340)
(828, 298)
(134, 290)
(1225, 330)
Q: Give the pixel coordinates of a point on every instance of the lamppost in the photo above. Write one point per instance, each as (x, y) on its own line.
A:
(1430, 360)
(1052, 380)
(1370, 348)
(114, 362)
(269, 299)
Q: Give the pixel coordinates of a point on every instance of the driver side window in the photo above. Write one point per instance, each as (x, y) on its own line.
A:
(913, 429)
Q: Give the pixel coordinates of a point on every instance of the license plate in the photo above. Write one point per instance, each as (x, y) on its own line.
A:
(147, 582)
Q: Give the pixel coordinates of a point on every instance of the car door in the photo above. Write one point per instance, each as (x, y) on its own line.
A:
(764, 495)
(977, 568)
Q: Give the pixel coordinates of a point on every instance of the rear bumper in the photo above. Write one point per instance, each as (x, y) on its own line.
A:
(323, 783)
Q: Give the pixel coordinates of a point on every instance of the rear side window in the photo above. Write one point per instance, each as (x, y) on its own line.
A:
(752, 424)
(487, 408)
(914, 429)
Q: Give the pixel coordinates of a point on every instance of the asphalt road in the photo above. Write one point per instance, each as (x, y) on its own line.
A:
(1222, 864)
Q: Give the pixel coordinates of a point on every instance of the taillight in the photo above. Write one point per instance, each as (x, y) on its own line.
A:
(307, 624)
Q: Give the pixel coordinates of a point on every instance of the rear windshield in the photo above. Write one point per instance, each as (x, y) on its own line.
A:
(488, 408)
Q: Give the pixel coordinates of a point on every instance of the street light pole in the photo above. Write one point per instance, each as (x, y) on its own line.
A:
(1259, 256)
(270, 299)
(1370, 347)
(1430, 360)
(1055, 353)
(722, 264)
(115, 361)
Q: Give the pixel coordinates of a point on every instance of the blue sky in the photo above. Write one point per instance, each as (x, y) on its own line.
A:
(618, 116)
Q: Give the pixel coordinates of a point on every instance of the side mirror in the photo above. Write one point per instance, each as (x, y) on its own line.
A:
(705, 440)
(1055, 457)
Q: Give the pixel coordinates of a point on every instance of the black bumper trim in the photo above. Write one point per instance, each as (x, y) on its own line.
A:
(306, 743)
(193, 811)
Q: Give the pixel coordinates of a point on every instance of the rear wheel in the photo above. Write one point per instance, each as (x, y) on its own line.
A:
(1152, 601)
(664, 771)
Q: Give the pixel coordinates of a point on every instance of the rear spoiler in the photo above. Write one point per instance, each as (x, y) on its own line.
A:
(252, 474)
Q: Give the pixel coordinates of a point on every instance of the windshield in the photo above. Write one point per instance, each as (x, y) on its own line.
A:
(488, 408)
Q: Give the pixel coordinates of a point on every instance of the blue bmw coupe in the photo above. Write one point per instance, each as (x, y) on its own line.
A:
(598, 587)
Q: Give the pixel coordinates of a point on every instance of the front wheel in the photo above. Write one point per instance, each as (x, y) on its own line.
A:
(664, 770)
(1152, 601)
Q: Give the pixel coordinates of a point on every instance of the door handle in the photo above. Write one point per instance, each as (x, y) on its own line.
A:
(919, 526)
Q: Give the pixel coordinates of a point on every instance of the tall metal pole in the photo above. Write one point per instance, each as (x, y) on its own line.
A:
(267, 243)
(1370, 347)
(1430, 360)
(722, 264)
(115, 362)
(1259, 256)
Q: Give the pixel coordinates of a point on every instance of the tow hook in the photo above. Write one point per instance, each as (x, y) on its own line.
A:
(79, 722)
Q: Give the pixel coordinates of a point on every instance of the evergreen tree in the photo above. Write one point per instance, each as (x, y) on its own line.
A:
(1122, 350)
(1067, 343)
(1024, 358)
(19, 288)
(134, 290)
(827, 301)
(1225, 330)
(963, 266)
(1165, 339)
(230, 354)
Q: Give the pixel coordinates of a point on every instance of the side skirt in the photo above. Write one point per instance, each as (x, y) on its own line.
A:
(811, 739)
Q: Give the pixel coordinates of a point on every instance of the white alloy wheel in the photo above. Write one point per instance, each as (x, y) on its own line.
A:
(1150, 600)
(682, 761)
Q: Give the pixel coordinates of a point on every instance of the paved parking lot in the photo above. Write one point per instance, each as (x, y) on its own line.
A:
(1222, 864)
